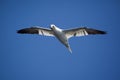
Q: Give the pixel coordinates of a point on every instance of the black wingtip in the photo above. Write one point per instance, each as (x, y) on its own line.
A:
(95, 31)
(102, 32)
(18, 31)
(28, 31)
(21, 31)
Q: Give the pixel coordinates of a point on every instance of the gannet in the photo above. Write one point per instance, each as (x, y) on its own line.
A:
(62, 35)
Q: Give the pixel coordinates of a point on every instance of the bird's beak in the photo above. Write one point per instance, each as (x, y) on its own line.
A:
(52, 27)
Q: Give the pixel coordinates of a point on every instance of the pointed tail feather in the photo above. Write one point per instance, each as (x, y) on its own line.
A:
(69, 49)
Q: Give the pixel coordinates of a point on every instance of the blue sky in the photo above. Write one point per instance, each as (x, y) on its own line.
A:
(34, 57)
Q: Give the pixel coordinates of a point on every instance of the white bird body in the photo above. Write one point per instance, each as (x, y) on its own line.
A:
(61, 35)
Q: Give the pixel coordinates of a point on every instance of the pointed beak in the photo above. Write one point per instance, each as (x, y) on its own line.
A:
(52, 27)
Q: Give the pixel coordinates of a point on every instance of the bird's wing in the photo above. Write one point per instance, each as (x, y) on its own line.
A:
(36, 30)
(82, 32)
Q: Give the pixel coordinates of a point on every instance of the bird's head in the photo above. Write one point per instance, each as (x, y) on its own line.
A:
(52, 26)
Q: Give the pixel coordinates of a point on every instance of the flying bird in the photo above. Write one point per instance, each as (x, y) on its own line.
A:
(62, 35)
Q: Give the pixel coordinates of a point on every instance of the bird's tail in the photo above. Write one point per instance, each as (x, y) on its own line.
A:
(70, 49)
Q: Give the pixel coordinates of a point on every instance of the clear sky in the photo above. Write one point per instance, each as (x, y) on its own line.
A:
(34, 57)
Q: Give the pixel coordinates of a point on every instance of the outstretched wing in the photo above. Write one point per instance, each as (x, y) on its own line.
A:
(82, 32)
(36, 30)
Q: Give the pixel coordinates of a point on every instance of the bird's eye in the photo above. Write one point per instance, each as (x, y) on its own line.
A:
(52, 26)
